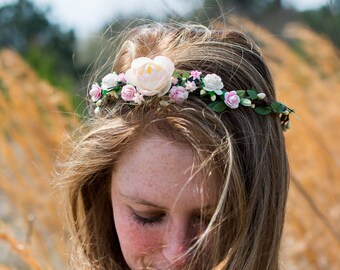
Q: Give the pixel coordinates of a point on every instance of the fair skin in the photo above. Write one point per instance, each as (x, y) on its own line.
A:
(159, 205)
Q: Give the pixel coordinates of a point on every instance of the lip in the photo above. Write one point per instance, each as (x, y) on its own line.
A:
(153, 267)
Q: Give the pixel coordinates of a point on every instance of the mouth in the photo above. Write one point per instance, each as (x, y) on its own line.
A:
(152, 267)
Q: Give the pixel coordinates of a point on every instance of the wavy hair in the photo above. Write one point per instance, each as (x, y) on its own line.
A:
(245, 150)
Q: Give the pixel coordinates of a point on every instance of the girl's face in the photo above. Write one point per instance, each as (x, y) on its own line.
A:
(158, 206)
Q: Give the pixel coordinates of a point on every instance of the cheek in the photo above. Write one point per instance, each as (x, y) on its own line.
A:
(135, 239)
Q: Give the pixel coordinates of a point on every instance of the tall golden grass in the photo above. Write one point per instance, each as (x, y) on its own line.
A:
(306, 69)
(34, 121)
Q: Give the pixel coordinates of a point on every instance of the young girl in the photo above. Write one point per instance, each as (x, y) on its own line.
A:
(183, 164)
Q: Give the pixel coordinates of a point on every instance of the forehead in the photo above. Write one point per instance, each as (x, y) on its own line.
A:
(160, 170)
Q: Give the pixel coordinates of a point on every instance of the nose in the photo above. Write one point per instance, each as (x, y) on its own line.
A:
(176, 244)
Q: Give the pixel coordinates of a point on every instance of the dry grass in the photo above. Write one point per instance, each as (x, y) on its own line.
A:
(21, 251)
(307, 79)
(32, 127)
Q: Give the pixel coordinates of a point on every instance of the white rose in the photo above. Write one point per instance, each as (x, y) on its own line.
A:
(110, 80)
(151, 76)
(212, 82)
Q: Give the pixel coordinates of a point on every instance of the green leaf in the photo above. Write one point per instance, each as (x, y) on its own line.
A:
(252, 94)
(241, 93)
(278, 107)
(218, 106)
(119, 91)
(263, 110)
(104, 92)
(185, 75)
(176, 74)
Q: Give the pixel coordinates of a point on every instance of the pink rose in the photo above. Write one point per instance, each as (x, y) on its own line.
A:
(95, 92)
(195, 74)
(128, 92)
(232, 99)
(191, 86)
(178, 94)
(121, 78)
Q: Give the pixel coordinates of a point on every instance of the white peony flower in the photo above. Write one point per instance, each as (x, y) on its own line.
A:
(212, 82)
(151, 76)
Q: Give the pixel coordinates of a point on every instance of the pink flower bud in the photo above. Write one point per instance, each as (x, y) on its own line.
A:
(95, 92)
(121, 78)
(174, 80)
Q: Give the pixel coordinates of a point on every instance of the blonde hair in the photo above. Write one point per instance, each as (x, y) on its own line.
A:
(244, 149)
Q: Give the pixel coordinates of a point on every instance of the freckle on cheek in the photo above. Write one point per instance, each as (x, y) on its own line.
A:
(140, 241)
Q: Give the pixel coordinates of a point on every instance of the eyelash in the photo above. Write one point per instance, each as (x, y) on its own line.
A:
(147, 221)
(158, 219)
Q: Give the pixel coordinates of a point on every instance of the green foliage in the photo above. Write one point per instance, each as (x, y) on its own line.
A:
(251, 8)
(241, 93)
(26, 29)
(273, 15)
(325, 20)
(4, 89)
(278, 107)
(263, 110)
(218, 106)
(252, 94)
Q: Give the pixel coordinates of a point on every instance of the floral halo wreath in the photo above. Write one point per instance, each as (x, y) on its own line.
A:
(149, 77)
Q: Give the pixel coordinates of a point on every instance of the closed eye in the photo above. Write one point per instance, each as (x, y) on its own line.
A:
(147, 220)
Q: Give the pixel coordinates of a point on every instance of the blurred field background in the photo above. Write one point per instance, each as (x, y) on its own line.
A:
(42, 78)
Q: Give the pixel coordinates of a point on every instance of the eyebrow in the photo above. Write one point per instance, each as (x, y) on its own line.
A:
(141, 201)
(147, 203)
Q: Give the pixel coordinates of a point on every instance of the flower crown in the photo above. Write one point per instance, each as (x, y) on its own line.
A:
(149, 77)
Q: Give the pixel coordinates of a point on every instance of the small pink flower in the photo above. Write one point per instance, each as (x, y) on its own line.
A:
(95, 92)
(178, 94)
(174, 80)
(138, 98)
(128, 92)
(231, 99)
(195, 74)
(121, 77)
(191, 86)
